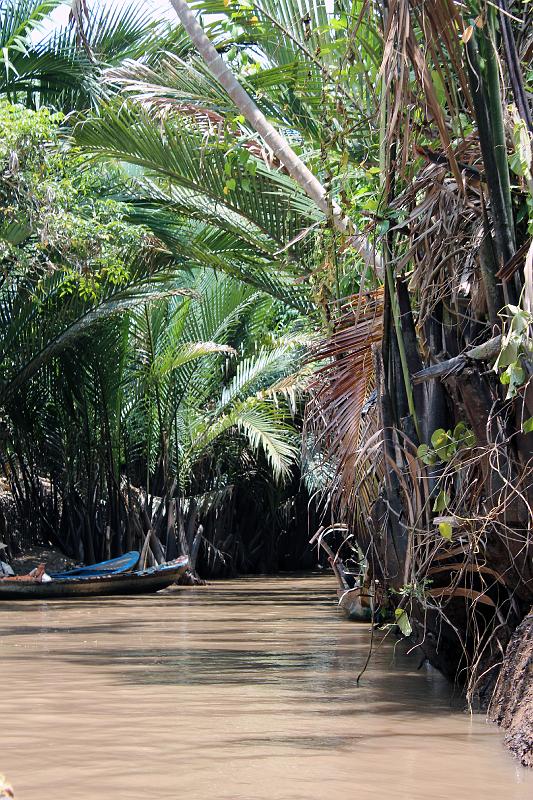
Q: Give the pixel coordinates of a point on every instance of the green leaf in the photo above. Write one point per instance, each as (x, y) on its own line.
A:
(520, 321)
(459, 430)
(439, 437)
(402, 621)
(527, 427)
(448, 452)
(513, 377)
(469, 439)
(426, 454)
(508, 354)
(445, 530)
(441, 502)
(339, 24)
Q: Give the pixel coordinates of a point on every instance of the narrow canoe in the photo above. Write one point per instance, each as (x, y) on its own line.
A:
(112, 567)
(141, 582)
(355, 598)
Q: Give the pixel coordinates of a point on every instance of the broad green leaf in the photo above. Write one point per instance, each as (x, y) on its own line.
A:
(427, 455)
(439, 437)
(513, 377)
(441, 501)
(469, 439)
(508, 355)
(402, 621)
(459, 430)
(527, 427)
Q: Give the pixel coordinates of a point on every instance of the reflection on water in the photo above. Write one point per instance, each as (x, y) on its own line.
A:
(237, 691)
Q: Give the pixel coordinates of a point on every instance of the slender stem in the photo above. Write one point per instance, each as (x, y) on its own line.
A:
(384, 159)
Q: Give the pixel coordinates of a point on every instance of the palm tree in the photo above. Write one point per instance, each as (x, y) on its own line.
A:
(178, 396)
(278, 144)
(110, 380)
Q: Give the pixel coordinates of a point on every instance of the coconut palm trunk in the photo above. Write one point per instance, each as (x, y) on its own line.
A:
(279, 145)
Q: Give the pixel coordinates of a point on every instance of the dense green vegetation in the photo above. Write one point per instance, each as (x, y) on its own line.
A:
(121, 367)
(210, 335)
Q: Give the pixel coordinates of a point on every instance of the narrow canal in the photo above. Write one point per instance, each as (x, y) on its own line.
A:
(242, 690)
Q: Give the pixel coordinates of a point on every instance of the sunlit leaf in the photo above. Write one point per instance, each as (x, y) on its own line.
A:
(402, 621)
(441, 502)
(445, 530)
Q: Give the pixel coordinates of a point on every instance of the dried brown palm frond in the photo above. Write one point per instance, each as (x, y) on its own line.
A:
(340, 419)
(438, 69)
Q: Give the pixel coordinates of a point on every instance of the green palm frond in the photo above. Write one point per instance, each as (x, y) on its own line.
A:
(265, 430)
(55, 68)
(221, 248)
(269, 202)
(175, 357)
(36, 328)
(184, 198)
(262, 424)
(256, 372)
(19, 18)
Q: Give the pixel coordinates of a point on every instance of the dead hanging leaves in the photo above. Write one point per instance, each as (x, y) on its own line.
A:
(339, 419)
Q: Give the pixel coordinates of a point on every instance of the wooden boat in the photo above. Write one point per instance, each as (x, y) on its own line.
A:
(122, 583)
(355, 598)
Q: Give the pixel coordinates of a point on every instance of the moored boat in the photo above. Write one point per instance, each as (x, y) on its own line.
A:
(356, 598)
(122, 583)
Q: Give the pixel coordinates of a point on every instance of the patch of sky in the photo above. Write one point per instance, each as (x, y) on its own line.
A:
(59, 18)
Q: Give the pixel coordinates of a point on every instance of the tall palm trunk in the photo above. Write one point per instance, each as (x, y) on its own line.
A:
(280, 147)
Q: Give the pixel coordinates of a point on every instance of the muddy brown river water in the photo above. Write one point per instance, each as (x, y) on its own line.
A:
(243, 690)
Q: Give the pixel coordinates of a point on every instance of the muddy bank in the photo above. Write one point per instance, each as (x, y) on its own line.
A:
(53, 560)
(512, 702)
